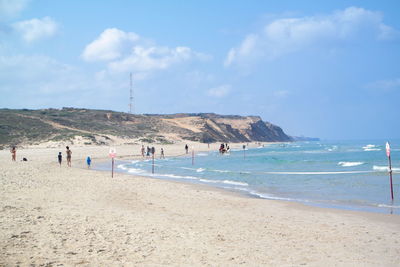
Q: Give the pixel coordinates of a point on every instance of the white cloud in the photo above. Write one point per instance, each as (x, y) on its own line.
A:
(109, 45)
(35, 29)
(283, 36)
(10, 8)
(41, 81)
(219, 91)
(151, 58)
(127, 51)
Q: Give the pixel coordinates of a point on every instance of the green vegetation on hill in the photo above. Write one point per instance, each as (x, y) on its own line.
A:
(99, 126)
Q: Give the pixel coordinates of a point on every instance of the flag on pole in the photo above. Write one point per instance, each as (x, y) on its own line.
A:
(387, 149)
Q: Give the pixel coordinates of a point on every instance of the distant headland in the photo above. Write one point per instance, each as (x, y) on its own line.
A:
(105, 127)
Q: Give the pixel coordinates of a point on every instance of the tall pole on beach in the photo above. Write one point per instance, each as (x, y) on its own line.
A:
(390, 168)
(192, 155)
(112, 167)
(112, 153)
(152, 165)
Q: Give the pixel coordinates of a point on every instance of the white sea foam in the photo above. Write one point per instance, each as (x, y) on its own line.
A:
(388, 206)
(134, 170)
(223, 171)
(316, 173)
(176, 176)
(200, 170)
(224, 182)
(350, 163)
(122, 167)
(380, 168)
(384, 168)
(209, 181)
(201, 154)
(235, 183)
(267, 196)
(333, 148)
(371, 148)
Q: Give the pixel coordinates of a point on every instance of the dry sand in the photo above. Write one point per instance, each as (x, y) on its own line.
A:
(52, 216)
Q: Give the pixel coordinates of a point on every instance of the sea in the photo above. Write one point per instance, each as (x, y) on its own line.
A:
(351, 175)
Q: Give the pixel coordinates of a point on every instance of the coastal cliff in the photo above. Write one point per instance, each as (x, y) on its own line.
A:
(105, 127)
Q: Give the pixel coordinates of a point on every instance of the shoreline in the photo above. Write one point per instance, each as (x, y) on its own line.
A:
(341, 206)
(71, 216)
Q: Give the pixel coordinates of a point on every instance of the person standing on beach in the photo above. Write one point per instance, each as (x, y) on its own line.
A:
(13, 153)
(59, 158)
(88, 161)
(153, 150)
(187, 149)
(162, 154)
(142, 151)
(69, 154)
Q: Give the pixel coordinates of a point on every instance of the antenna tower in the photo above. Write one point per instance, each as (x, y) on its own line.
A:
(130, 95)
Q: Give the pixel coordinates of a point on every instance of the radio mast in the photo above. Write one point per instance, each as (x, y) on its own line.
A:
(130, 95)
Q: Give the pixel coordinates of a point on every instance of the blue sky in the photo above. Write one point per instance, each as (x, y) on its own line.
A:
(328, 69)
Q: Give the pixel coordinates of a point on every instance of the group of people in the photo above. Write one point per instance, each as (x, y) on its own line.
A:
(69, 157)
(151, 151)
(224, 148)
(13, 151)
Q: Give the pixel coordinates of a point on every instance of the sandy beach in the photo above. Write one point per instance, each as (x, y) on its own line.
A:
(52, 216)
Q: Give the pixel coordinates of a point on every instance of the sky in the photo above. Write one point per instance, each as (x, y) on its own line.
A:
(327, 69)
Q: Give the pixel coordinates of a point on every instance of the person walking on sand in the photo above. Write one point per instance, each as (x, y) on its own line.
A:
(162, 154)
(59, 158)
(88, 161)
(187, 149)
(69, 154)
(13, 153)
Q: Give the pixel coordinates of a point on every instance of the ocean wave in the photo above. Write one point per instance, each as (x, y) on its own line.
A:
(268, 196)
(176, 176)
(186, 168)
(333, 148)
(224, 182)
(200, 170)
(350, 163)
(317, 173)
(223, 171)
(370, 147)
(384, 168)
(235, 183)
(201, 154)
(122, 167)
(136, 171)
(388, 206)
(209, 181)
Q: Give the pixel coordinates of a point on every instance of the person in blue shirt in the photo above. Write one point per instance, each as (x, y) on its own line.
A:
(88, 161)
